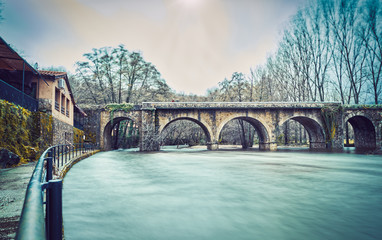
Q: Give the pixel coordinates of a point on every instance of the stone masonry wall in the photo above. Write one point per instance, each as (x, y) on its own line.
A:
(62, 132)
(92, 123)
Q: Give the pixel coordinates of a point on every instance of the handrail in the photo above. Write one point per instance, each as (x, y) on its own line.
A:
(33, 223)
(12, 94)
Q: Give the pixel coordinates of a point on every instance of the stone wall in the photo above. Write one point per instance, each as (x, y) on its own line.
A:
(92, 123)
(149, 135)
(62, 132)
(45, 105)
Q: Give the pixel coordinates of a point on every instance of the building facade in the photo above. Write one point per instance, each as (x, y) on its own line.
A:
(55, 97)
(40, 90)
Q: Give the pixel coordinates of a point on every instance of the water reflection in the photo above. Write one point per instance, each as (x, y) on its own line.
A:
(198, 194)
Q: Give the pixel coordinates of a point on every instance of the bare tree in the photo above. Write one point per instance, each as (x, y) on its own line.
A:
(371, 35)
(344, 18)
(113, 74)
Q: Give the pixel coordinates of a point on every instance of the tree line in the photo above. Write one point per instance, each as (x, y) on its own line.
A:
(329, 51)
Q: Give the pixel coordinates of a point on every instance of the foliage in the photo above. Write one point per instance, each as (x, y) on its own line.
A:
(363, 106)
(115, 75)
(329, 116)
(238, 132)
(183, 132)
(45, 125)
(111, 108)
(128, 135)
(126, 107)
(90, 136)
(20, 131)
(329, 51)
(78, 135)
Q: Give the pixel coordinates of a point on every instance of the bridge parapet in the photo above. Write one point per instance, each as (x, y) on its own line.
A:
(237, 105)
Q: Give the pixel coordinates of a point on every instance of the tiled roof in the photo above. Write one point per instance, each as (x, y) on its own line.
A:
(52, 73)
(76, 107)
(56, 75)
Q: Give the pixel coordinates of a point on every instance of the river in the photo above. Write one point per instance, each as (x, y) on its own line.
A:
(199, 194)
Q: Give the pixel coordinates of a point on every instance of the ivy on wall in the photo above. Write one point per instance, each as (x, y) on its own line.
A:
(78, 135)
(45, 126)
(329, 116)
(111, 108)
(363, 106)
(90, 136)
(23, 132)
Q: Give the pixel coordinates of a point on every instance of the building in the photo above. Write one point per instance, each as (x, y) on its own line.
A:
(39, 90)
(55, 97)
(16, 78)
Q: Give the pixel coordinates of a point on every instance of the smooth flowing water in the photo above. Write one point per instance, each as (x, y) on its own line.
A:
(193, 194)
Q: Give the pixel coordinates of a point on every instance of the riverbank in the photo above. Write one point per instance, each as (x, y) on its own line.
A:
(13, 184)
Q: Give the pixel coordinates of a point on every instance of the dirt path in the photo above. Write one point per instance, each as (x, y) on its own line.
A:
(13, 184)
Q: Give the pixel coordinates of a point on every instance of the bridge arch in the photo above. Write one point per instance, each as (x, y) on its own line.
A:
(365, 136)
(260, 128)
(107, 133)
(313, 127)
(108, 121)
(207, 131)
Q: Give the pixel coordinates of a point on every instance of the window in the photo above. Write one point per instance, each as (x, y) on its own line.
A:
(67, 107)
(57, 99)
(63, 104)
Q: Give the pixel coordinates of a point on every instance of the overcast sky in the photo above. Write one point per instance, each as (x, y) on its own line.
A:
(193, 43)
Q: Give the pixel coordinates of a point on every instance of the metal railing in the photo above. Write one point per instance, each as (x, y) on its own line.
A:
(57, 106)
(16, 96)
(37, 222)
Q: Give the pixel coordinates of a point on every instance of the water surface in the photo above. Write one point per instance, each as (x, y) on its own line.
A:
(193, 194)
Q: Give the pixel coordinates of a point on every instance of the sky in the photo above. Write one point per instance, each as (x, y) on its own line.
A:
(194, 44)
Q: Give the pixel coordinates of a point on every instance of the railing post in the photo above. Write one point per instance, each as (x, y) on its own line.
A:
(54, 210)
(49, 169)
(54, 155)
(49, 166)
(58, 155)
(62, 155)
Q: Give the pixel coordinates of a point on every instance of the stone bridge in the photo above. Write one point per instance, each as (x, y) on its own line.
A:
(324, 122)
